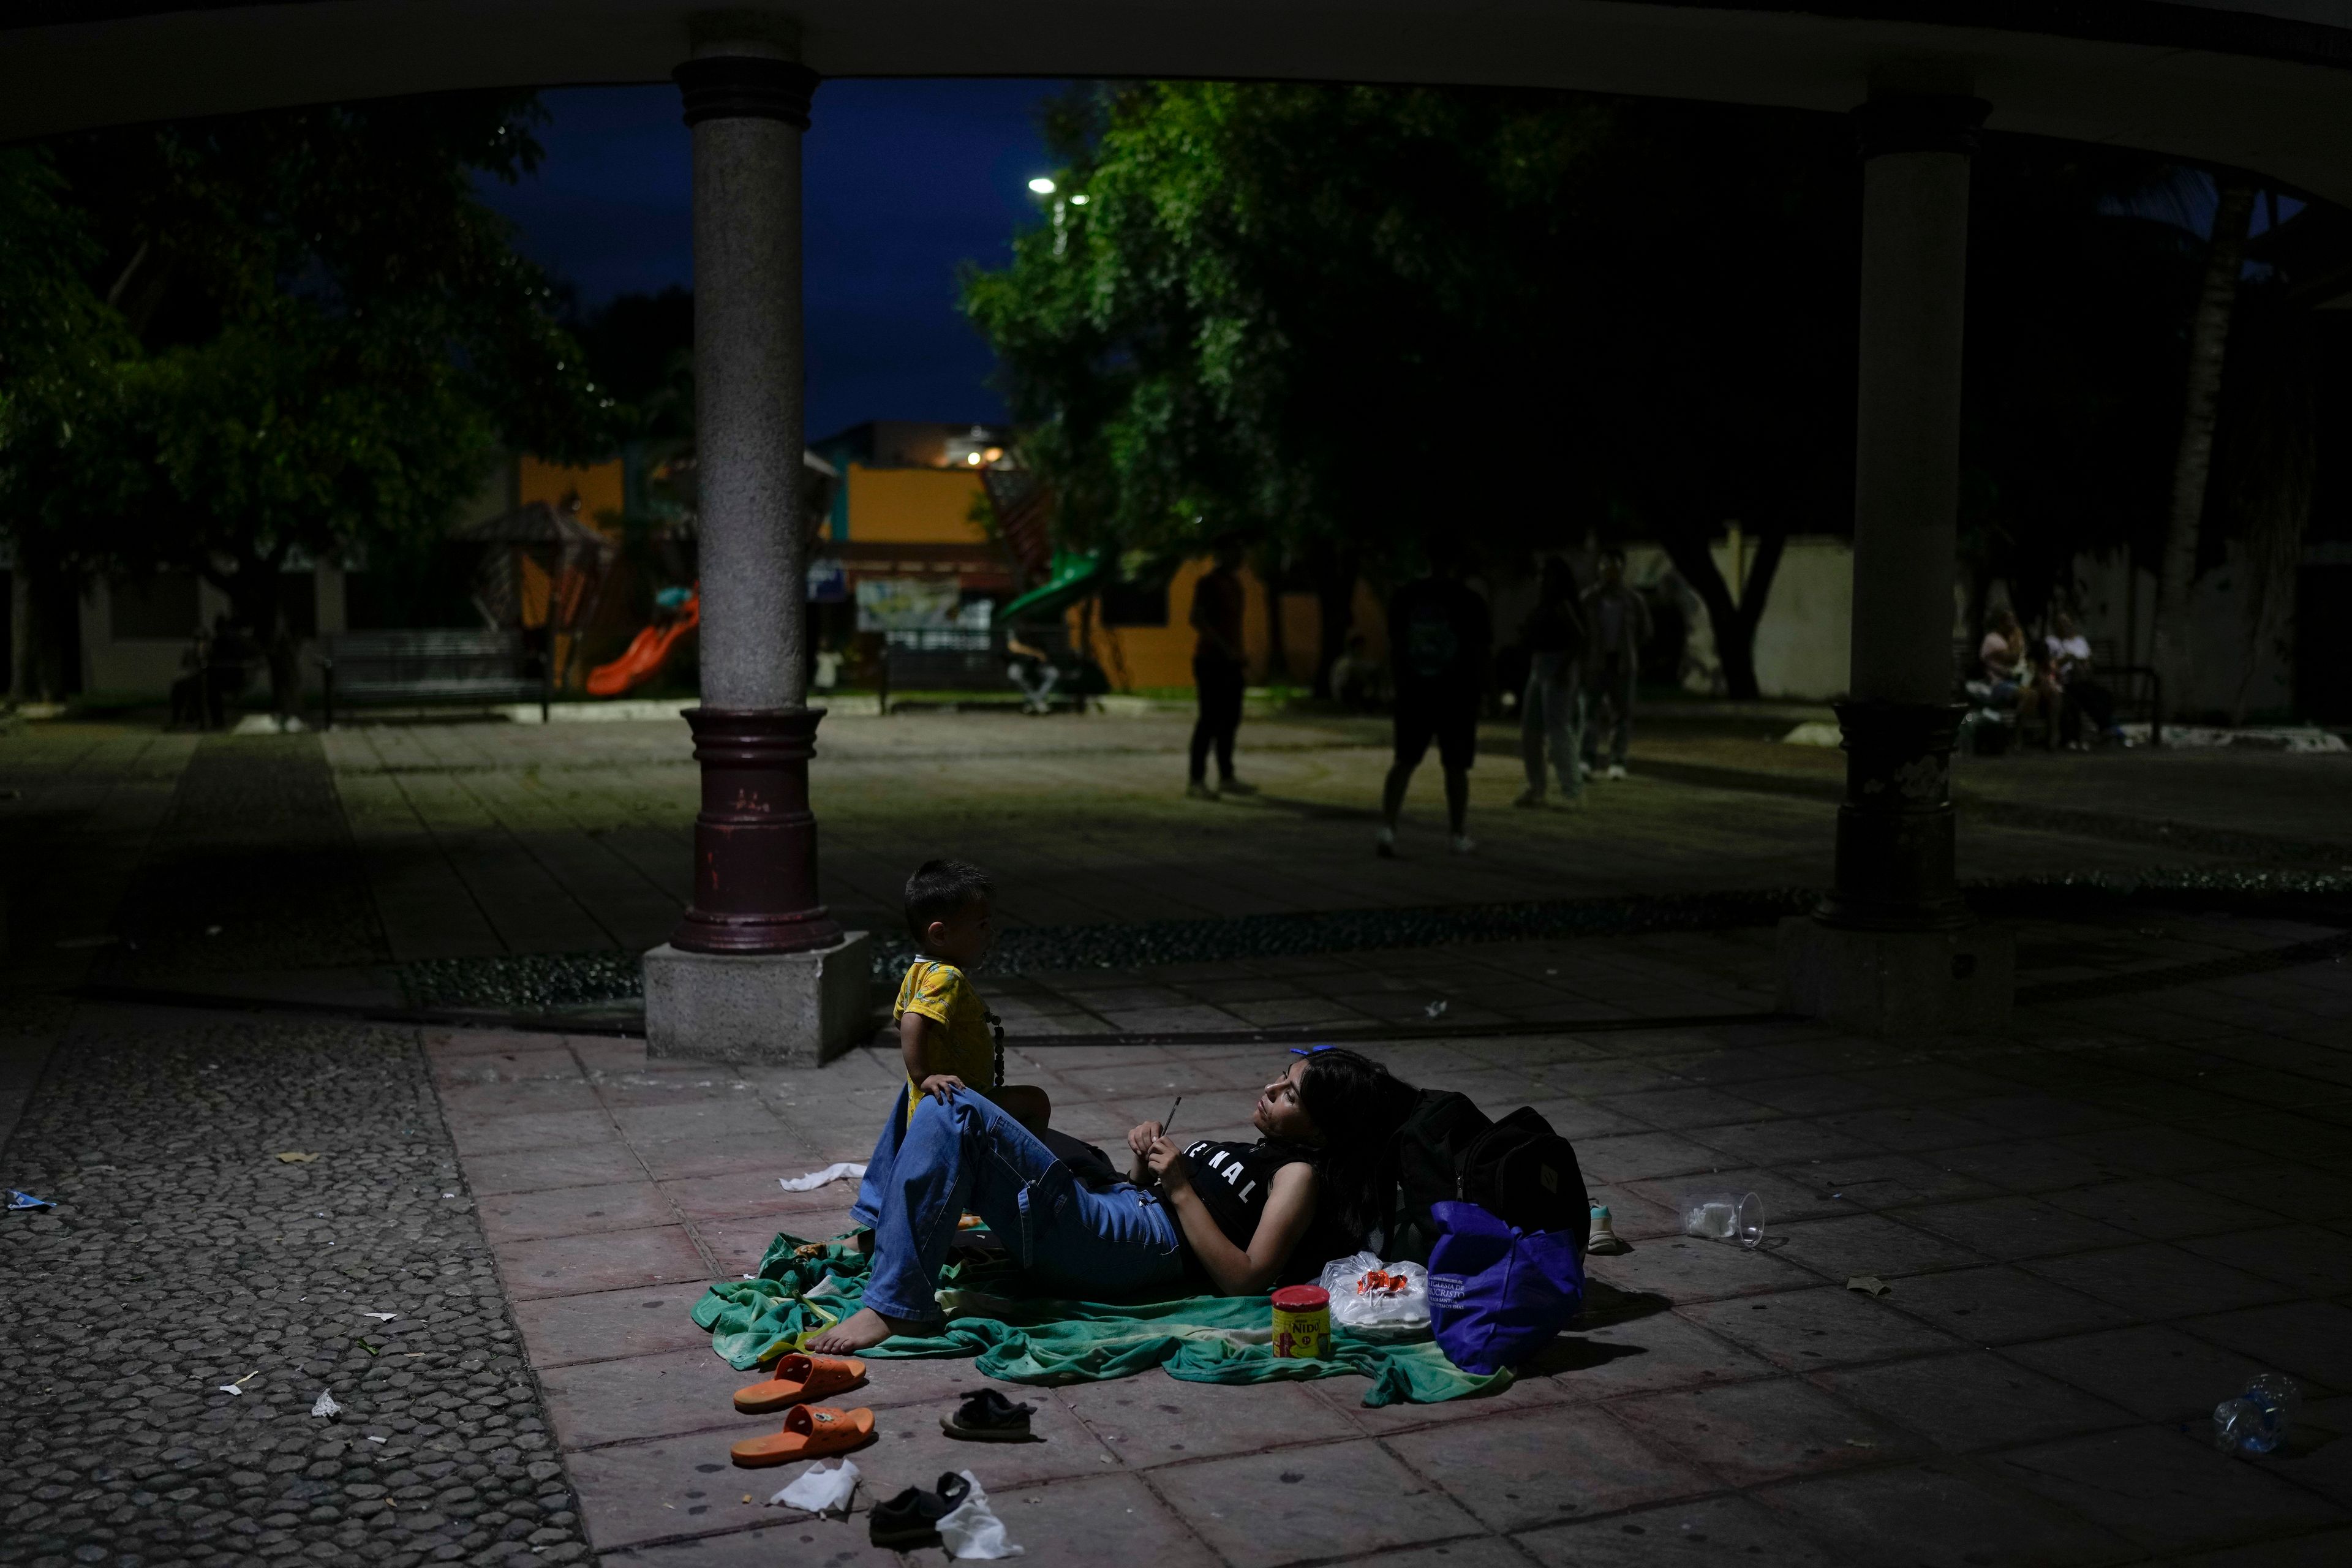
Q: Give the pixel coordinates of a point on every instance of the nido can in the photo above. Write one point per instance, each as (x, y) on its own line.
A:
(1302, 1321)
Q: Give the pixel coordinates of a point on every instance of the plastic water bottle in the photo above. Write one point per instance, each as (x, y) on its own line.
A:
(2256, 1421)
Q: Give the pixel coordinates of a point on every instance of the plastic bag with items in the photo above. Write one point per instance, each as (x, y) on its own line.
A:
(1376, 1299)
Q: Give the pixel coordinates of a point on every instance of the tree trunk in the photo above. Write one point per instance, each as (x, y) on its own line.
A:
(1735, 625)
(2208, 338)
(1335, 596)
(1277, 655)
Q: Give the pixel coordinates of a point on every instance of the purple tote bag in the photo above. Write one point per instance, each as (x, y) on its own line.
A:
(1498, 1295)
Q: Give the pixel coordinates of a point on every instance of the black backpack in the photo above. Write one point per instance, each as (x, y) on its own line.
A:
(1517, 1169)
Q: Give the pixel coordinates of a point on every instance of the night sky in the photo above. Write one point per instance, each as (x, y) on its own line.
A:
(904, 181)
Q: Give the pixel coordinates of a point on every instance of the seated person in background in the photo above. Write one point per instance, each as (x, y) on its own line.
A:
(1031, 668)
(1356, 675)
(2070, 664)
(2018, 680)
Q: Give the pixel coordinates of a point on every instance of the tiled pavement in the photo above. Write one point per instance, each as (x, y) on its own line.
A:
(2094, 1227)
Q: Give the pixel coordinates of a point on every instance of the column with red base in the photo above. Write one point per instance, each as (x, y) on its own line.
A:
(756, 970)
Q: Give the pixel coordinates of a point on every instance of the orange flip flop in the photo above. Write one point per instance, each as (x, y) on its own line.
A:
(799, 1378)
(811, 1432)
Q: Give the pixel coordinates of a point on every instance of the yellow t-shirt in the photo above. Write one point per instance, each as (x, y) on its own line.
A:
(940, 993)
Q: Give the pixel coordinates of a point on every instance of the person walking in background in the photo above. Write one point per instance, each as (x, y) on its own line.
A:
(1219, 667)
(1439, 639)
(1616, 625)
(1551, 711)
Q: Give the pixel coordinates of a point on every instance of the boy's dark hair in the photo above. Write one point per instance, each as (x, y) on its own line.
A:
(939, 888)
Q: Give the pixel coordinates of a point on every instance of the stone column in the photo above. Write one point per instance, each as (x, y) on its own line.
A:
(1891, 948)
(757, 969)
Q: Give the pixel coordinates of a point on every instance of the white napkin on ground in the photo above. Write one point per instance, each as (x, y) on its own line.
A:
(325, 1404)
(819, 1488)
(972, 1529)
(816, 1179)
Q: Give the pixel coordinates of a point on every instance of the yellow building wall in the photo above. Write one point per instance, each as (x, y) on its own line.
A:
(1143, 657)
(598, 486)
(913, 506)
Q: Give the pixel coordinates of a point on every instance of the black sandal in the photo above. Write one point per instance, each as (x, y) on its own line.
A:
(912, 1518)
(987, 1416)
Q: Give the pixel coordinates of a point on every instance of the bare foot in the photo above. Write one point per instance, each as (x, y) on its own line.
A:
(864, 1329)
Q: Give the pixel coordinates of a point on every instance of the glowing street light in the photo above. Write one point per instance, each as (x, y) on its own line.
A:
(1080, 199)
(1042, 185)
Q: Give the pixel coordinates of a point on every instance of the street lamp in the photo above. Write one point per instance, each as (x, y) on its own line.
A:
(1042, 185)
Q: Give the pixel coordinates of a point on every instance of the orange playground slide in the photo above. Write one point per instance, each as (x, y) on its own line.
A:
(644, 655)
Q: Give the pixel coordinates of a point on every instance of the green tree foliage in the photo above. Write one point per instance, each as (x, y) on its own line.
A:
(293, 332)
(1343, 319)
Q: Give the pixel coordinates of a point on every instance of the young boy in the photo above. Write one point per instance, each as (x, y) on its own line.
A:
(944, 1028)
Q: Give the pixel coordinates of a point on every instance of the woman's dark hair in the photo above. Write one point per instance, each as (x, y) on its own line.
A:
(1559, 581)
(1358, 1105)
(939, 890)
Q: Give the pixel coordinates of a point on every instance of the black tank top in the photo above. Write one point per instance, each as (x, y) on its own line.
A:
(1233, 1179)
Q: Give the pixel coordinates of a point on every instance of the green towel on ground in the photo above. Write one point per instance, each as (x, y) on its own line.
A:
(803, 1288)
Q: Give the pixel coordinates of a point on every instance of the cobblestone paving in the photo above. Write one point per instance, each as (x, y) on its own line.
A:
(184, 1255)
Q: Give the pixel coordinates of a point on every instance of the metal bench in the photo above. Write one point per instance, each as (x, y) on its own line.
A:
(906, 669)
(454, 667)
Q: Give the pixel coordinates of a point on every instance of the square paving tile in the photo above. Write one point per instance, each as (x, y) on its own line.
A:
(1790, 1140)
(480, 1103)
(1153, 1419)
(1651, 1349)
(575, 1265)
(1642, 1156)
(2158, 1372)
(1837, 1249)
(2308, 1259)
(1703, 1532)
(1515, 1472)
(1938, 1516)
(2012, 1227)
(1805, 1330)
(1341, 1501)
(573, 1211)
(1090, 1522)
(500, 1136)
(835, 1542)
(738, 1194)
(2164, 1490)
(1685, 1268)
(560, 1331)
(2000, 1305)
(2312, 1340)
(912, 1451)
(1749, 1433)
(647, 1396)
(586, 1162)
(2155, 1280)
(1973, 1400)
(2154, 1206)
(632, 1493)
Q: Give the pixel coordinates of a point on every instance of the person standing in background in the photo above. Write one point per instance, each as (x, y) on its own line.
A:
(1552, 709)
(1219, 672)
(1440, 635)
(1616, 625)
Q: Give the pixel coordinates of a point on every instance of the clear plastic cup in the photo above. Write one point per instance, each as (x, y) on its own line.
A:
(1725, 1216)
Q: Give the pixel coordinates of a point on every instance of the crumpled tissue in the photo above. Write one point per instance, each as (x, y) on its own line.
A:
(816, 1179)
(817, 1489)
(972, 1529)
(325, 1404)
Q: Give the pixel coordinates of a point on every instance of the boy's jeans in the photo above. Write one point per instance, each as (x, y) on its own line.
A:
(968, 1154)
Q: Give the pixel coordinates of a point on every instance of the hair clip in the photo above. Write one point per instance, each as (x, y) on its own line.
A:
(1307, 1050)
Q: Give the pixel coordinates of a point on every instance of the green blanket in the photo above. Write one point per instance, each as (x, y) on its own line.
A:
(803, 1288)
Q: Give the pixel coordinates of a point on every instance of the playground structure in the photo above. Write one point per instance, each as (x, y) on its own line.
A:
(646, 652)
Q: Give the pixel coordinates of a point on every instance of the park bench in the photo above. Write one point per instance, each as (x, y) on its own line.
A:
(405, 669)
(2137, 689)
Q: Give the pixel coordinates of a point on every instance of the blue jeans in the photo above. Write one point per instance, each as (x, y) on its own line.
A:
(1552, 713)
(968, 1154)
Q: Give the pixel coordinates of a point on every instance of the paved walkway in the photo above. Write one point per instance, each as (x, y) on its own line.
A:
(2094, 1227)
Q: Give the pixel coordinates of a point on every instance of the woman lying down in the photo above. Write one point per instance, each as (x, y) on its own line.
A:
(1245, 1216)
